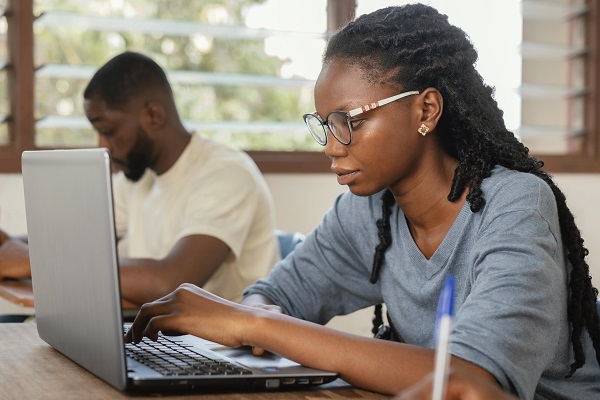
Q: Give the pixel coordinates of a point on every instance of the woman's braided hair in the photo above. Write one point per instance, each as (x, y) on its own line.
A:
(419, 48)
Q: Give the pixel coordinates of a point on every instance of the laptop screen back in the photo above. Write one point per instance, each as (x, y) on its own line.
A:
(70, 225)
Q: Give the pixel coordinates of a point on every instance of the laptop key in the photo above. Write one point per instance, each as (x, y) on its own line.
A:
(171, 358)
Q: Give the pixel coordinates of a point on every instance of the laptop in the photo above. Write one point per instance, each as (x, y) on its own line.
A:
(74, 267)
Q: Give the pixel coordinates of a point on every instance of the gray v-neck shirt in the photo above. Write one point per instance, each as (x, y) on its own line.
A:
(511, 283)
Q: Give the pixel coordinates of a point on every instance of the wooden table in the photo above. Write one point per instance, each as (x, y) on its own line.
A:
(31, 369)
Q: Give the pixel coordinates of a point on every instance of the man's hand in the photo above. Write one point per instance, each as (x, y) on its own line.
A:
(14, 258)
(3, 237)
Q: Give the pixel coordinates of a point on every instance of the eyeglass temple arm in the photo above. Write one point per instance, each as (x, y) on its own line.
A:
(379, 103)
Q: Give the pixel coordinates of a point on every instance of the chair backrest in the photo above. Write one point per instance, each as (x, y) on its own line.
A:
(288, 241)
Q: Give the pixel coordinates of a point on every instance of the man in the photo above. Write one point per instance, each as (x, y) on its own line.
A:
(187, 209)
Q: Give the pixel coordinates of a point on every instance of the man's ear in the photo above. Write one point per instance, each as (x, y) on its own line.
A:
(153, 116)
(432, 106)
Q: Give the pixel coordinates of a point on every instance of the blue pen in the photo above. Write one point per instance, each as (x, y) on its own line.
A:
(443, 327)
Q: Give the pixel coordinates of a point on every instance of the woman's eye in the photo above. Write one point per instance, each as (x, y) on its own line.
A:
(355, 123)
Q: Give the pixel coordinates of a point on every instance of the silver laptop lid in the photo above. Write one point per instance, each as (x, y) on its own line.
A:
(73, 256)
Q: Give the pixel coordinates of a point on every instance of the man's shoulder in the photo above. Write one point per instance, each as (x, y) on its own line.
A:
(218, 165)
(212, 153)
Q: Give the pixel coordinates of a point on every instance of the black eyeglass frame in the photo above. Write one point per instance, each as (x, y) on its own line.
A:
(346, 117)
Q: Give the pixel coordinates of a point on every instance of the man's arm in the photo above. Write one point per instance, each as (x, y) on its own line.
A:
(14, 257)
(3, 237)
(193, 259)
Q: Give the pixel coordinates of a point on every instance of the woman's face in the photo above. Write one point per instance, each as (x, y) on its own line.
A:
(386, 148)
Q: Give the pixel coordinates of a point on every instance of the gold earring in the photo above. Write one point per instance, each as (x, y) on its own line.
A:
(423, 129)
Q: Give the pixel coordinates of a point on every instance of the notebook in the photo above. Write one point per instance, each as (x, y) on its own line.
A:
(74, 267)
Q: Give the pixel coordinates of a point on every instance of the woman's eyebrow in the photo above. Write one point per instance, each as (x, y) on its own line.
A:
(342, 107)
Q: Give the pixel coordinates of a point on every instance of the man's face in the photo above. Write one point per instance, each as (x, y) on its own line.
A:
(138, 158)
(120, 131)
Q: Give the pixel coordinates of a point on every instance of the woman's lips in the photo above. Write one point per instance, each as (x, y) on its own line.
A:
(345, 177)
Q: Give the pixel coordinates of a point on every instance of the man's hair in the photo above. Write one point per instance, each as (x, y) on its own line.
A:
(125, 77)
(415, 47)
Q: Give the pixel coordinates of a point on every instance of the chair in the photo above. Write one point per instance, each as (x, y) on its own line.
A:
(288, 241)
(13, 318)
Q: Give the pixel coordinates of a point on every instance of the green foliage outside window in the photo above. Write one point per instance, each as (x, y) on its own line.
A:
(240, 108)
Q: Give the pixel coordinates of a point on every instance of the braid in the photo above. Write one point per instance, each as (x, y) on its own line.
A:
(384, 233)
(385, 239)
(377, 319)
(415, 47)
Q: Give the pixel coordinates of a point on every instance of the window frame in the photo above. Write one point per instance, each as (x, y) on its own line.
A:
(20, 80)
(20, 70)
(588, 161)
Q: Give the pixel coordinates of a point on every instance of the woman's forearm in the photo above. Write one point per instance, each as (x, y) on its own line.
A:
(373, 364)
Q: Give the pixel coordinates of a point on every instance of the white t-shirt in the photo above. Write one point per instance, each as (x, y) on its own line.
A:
(211, 190)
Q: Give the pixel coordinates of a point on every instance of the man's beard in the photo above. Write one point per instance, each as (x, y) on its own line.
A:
(139, 157)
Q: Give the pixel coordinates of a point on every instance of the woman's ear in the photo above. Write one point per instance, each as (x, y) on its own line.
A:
(431, 108)
(153, 116)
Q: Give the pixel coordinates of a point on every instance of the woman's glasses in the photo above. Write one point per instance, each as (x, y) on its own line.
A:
(340, 123)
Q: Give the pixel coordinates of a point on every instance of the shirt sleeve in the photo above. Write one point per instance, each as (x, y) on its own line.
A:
(222, 203)
(327, 274)
(513, 318)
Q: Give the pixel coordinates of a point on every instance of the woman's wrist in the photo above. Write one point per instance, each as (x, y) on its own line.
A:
(258, 322)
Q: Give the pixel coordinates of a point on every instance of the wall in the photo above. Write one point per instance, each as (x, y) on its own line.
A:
(302, 199)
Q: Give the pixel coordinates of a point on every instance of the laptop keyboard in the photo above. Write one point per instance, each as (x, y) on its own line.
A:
(170, 357)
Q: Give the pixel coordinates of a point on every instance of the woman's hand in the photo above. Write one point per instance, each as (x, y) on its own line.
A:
(461, 386)
(192, 310)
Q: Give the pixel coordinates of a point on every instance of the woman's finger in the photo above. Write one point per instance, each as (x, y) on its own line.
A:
(147, 311)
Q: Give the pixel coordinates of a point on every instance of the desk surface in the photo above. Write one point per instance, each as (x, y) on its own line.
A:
(31, 369)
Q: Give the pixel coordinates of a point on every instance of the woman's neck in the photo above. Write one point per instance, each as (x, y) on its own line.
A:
(424, 202)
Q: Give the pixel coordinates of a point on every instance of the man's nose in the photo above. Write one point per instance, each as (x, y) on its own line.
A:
(102, 142)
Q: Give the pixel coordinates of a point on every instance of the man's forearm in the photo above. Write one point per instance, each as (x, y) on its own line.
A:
(142, 280)
(193, 259)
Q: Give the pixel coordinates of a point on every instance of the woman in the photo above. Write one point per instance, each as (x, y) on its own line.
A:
(438, 186)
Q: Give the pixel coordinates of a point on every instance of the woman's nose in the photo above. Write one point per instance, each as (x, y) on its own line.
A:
(333, 147)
